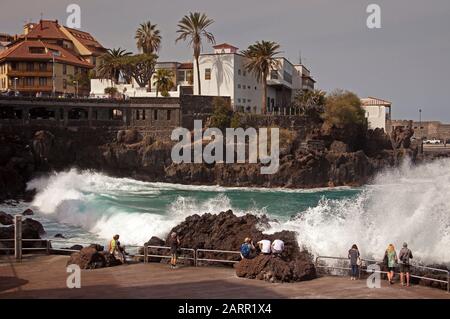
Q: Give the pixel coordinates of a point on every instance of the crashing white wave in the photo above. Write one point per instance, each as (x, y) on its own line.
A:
(409, 204)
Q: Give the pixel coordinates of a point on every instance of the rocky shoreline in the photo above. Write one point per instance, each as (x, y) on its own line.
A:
(325, 157)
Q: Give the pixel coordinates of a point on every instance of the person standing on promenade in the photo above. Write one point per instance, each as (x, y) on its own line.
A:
(174, 243)
(405, 256)
(390, 260)
(354, 256)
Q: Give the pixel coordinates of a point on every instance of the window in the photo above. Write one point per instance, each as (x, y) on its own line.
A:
(256, 87)
(239, 71)
(244, 73)
(274, 75)
(42, 81)
(36, 50)
(207, 74)
(42, 67)
(239, 100)
(155, 115)
(248, 87)
(181, 76)
(64, 84)
(239, 86)
(243, 87)
(14, 66)
(30, 66)
(168, 115)
(243, 101)
(29, 81)
(64, 68)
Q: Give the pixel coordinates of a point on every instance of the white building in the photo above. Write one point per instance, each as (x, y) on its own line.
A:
(222, 73)
(378, 112)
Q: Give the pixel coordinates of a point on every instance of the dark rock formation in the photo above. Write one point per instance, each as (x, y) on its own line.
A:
(93, 257)
(59, 236)
(31, 229)
(28, 212)
(227, 231)
(6, 219)
(155, 241)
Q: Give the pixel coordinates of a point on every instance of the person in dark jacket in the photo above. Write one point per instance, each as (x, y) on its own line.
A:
(404, 261)
(354, 256)
(174, 243)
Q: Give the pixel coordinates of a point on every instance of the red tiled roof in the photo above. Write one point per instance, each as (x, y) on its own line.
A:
(375, 101)
(21, 51)
(87, 40)
(224, 46)
(186, 65)
(45, 29)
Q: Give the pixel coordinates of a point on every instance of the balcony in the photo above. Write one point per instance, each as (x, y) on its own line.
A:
(34, 73)
(33, 88)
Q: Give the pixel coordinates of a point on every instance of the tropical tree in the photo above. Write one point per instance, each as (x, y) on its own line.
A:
(261, 59)
(111, 91)
(192, 28)
(140, 67)
(163, 81)
(310, 103)
(111, 64)
(148, 38)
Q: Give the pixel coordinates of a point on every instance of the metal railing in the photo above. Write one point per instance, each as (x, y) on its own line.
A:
(215, 251)
(363, 268)
(146, 254)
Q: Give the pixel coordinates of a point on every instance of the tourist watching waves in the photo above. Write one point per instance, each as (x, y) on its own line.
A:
(404, 257)
(355, 261)
(390, 260)
(264, 246)
(247, 248)
(277, 247)
(174, 243)
(117, 250)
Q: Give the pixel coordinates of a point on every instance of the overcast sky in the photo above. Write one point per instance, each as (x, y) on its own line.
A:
(407, 61)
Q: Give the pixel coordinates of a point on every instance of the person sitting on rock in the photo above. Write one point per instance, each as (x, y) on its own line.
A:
(264, 246)
(117, 250)
(277, 247)
(247, 248)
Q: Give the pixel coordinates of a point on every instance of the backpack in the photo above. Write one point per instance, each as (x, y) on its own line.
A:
(405, 257)
(245, 250)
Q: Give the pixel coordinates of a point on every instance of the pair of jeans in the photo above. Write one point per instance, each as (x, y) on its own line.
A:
(355, 270)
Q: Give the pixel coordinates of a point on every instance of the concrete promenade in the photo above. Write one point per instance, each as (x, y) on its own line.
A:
(45, 277)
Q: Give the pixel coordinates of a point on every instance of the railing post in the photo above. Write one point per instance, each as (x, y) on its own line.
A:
(448, 282)
(18, 237)
(49, 246)
(145, 253)
(195, 257)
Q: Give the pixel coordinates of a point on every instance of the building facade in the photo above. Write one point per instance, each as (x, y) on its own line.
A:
(378, 113)
(49, 59)
(425, 129)
(223, 73)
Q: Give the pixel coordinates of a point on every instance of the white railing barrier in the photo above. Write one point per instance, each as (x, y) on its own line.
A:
(215, 251)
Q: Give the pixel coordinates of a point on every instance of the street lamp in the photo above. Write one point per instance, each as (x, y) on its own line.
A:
(15, 85)
(76, 88)
(420, 128)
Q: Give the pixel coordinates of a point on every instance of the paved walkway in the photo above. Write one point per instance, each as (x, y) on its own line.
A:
(45, 277)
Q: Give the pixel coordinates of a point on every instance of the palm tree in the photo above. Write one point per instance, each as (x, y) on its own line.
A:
(260, 61)
(163, 81)
(192, 27)
(148, 38)
(110, 66)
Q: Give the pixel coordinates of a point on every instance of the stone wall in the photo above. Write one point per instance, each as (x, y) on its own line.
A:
(425, 129)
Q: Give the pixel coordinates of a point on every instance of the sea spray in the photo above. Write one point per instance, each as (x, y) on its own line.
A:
(409, 204)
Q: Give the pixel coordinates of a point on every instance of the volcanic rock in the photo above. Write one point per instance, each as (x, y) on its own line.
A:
(91, 257)
(27, 212)
(6, 219)
(59, 236)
